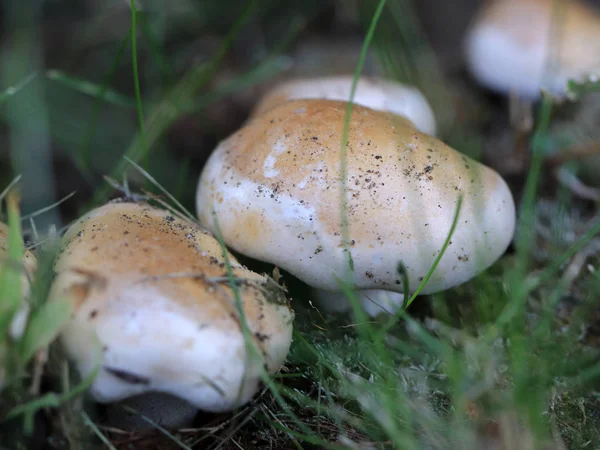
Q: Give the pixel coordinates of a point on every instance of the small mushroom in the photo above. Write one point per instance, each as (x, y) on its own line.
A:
(375, 93)
(522, 46)
(154, 308)
(275, 189)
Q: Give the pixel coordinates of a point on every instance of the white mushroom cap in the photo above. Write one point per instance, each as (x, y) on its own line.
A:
(375, 93)
(522, 46)
(151, 296)
(274, 186)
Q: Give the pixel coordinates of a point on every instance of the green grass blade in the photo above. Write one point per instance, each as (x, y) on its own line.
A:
(136, 79)
(12, 268)
(99, 92)
(13, 90)
(579, 88)
(44, 325)
(441, 252)
(251, 347)
(393, 320)
(92, 426)
(52, 399)
(345, 132)
(525, 239)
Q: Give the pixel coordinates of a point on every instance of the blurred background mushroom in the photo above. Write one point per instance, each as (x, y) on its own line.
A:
(375, 93)
(524, 46)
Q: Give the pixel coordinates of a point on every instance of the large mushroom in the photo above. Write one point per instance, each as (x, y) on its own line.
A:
(275, 189)
(376, 93)
(154, 309)
(522, 46)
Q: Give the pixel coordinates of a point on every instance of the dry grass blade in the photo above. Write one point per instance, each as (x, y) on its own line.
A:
(152, 180)
(96, 431)
(158, 427)
(48, 208)
(11, 185)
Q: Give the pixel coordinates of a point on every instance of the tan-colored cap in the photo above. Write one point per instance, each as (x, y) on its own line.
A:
(522, 46)
(150, 292)
(274, 186)
(375, 93)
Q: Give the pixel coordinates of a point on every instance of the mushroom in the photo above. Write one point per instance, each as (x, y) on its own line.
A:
(275, 189)
(522, 46)
(375, 93)
(154, 308)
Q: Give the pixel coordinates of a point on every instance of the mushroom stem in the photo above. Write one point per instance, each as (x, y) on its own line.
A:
(373, 301)
(160, 408)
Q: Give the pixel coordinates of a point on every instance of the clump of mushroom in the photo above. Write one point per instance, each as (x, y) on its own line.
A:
(522, 46)
(275, 188)
(154, 309)
(375, 93)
